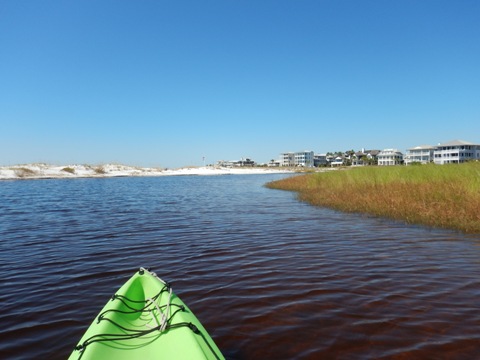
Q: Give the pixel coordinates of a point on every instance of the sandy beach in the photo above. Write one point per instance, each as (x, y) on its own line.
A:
(45, 171)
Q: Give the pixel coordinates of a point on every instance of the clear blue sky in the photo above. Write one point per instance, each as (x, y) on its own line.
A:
(164, 83)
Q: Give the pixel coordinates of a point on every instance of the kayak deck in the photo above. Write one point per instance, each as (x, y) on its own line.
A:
(146, 320)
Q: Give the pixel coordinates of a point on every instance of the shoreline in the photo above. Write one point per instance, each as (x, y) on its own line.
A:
(439, 196)
(45, 171)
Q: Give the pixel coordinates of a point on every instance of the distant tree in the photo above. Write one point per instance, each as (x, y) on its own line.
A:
(349, 153)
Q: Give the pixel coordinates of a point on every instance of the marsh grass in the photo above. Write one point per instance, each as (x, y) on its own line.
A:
(446, 196)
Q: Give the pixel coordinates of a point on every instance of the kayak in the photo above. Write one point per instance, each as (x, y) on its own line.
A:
(146, 320)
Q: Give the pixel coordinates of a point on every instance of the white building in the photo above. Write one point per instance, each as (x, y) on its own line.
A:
(337, 161)
(456, 151)
(388, 157)
(422, 154)
(300, 158)
(304, 158)
(287, 159)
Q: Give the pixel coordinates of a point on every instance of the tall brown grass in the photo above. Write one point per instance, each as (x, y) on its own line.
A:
(446, 196)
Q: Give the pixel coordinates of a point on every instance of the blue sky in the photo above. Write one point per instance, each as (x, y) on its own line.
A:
(164, 83)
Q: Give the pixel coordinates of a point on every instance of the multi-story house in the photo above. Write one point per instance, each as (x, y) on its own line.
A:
(300, 158)
(320, 160)
(304, 158)
(456, 151)
(287, 159)
(422, 154)
(338, 161)
(390, 157)
(365, 157)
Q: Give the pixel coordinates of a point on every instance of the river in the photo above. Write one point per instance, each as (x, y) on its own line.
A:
(268, 276)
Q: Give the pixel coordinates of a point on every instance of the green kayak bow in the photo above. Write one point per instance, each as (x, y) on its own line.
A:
(146, 320)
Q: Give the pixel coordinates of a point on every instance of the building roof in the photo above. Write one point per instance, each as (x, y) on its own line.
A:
(456, 143)
(422, 147)
(367, 152)
(390, 151)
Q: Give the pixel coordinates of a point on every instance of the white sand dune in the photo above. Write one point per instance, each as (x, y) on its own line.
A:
(44, 171)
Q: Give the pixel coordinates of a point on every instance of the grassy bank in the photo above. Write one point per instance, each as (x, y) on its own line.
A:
(446, 196)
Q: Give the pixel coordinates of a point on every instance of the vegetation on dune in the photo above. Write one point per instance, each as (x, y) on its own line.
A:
(23, 172)
(446, 196)
(69, 170)
(100, 170)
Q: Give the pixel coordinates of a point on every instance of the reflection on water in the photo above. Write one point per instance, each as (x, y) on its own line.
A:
(268, 276)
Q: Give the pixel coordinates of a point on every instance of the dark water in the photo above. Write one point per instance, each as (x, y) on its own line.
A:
(269, 277)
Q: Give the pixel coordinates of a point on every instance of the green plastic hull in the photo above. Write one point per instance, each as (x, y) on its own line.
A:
(130, 326)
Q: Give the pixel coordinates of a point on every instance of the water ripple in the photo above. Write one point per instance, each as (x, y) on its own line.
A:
(269, 277)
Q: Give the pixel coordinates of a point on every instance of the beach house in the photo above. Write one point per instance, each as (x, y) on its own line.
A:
(287, 159)
(304, 158)
(320, 160)
(299, 158)
(422, 154)
(365, 157)
(388, 157)
(456, 151)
